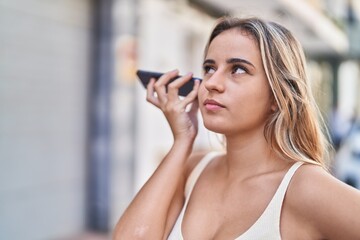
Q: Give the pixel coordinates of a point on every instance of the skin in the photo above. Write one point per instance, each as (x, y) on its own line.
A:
(316, 206)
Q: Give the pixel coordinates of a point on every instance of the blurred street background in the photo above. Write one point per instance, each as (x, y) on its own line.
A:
(78, 139)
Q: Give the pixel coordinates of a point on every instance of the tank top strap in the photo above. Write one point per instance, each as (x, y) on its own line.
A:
(196, 172)
(281, 191)
(267, 225)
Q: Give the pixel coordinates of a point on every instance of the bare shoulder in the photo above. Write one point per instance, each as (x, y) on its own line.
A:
(311, 184)
(332, 206)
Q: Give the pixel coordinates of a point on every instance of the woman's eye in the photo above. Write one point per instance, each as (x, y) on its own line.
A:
(208, 70)
(238, 70)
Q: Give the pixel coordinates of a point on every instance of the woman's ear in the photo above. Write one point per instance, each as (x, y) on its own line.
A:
(274, 106)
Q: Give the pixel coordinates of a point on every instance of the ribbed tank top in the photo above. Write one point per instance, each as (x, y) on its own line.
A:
(266, 227)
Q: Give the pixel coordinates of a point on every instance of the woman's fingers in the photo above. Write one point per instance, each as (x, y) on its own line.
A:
(160, 85)
(173, 87)
(150, 95)
(161, 96)
(193, 94)
(156, 89)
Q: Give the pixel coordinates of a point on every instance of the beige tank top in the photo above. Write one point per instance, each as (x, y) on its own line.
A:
(266, 227)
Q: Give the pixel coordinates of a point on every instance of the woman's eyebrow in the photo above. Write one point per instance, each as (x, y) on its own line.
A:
(230, 61)
(208, 61)
(239, 60)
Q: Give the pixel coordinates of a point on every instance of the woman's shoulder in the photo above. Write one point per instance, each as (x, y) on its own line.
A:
(319, 197)
(312, 184)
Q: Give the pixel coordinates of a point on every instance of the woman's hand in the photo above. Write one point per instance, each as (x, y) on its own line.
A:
(183, 124)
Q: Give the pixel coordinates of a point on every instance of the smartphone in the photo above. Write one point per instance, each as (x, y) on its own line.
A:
(145, 77)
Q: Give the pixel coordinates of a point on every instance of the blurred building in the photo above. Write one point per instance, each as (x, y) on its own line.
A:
(44, 69)
(78, 139)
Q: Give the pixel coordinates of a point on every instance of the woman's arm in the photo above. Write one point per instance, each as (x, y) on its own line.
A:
(159, 200)
(146, 216)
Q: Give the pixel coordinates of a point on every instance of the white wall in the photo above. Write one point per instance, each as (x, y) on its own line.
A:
(44, 54)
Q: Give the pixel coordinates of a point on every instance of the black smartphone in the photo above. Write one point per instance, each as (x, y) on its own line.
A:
(145, 77)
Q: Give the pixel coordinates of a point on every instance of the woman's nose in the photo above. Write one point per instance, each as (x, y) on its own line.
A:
(215, 82)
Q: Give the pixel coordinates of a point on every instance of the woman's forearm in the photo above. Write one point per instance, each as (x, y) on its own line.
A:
(146, 216)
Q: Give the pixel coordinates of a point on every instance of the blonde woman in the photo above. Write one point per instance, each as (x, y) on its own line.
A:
(271, 182)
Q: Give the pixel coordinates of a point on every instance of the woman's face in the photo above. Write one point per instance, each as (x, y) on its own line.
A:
(235, 96)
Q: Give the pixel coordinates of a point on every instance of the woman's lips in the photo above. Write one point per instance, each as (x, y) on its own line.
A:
(212, 105)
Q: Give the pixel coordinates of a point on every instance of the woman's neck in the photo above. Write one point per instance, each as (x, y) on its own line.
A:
(249, 155)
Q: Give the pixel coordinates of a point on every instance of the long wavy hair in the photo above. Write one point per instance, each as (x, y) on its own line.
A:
(296, 130)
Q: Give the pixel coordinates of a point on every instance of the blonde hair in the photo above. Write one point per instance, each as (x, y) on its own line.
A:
(296, 129)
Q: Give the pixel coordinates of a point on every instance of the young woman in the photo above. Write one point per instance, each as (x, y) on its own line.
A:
(271, 182)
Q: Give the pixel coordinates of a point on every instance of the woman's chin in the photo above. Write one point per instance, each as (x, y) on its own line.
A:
(216, 128)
